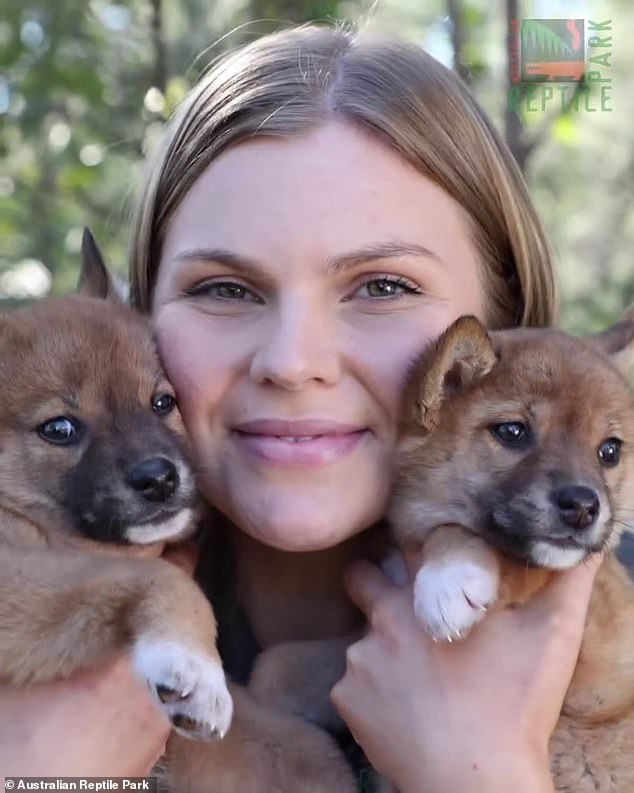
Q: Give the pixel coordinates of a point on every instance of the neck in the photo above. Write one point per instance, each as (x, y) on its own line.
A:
(293, 596)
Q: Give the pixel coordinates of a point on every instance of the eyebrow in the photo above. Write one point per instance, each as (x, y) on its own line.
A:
(332, 266)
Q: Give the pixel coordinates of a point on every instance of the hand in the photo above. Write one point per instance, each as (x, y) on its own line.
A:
(101, 723)
(98, 723)
(475, 715)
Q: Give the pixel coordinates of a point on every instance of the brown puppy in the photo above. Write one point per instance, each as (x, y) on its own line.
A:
(524, 440)
(94, 481)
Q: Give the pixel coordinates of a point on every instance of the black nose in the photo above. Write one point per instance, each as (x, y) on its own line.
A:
(578, 506)
(156, 478)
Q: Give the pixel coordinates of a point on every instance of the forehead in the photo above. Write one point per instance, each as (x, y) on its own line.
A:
(299, 199)
(565, 372)
(70, 347)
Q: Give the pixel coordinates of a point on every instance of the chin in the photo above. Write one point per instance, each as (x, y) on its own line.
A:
(297, 527)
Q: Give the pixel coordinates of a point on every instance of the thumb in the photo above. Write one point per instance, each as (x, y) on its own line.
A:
(554, 619)
(567, 595)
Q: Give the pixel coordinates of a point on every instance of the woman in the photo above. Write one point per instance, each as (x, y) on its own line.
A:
(324, 205)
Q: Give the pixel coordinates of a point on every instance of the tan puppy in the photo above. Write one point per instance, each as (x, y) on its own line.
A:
(525, 440)
(94, 481)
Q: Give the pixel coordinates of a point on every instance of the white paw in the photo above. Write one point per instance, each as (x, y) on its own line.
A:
(450, 598)
(191, 688)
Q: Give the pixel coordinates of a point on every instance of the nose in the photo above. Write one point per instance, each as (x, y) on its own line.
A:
(578, 505)
(296, 347)
(155, 478)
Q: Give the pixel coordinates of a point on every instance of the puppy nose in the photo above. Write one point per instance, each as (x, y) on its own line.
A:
(155, 479)
(578, 505)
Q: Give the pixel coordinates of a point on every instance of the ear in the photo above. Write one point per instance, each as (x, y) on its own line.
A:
(617, 342)
(94, 278)
(461, 356)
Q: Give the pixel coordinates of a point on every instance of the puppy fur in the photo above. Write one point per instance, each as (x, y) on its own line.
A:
(513, 520)
(495, 527)
(95, 479)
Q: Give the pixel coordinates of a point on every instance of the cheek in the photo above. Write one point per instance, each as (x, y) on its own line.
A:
(198, 370)
(384, 351)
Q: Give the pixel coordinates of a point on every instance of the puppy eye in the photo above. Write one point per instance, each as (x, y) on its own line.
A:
(163, 404)
(609, 452)
(513, 434)
(61, 431)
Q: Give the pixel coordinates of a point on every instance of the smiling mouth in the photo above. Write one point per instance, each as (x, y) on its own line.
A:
(300, 450)
(296, 439)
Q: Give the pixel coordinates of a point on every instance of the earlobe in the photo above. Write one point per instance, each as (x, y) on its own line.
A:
(618, 342)
(462, 355)
(94, 278)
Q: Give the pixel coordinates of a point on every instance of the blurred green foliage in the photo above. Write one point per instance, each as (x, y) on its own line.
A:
(85, 88)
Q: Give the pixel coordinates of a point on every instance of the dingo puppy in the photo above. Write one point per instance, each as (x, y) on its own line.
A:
(95, 479)
(523, 441)
(519, 442)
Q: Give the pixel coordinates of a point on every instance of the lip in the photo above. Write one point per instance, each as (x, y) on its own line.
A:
(160, 515)
(324, 441)
(296, 428)
(564, 542)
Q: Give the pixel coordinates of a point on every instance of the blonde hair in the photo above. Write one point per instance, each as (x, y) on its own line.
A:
(291, 81)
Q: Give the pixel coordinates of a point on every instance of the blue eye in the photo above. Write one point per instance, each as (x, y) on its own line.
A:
(60, 431)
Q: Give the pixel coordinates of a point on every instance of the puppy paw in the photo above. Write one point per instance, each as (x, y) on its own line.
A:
(449, 599)
(297, 677)
(190, 687)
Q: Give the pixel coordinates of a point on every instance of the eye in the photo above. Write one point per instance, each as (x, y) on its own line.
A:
(163, 403)
(223, 290)
(388, 287)
(609, 452)
(512, 434)
(61, 431)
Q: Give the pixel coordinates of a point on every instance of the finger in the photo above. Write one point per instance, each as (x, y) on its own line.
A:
(183, 555)
(413, 557)
(365, 584)
(395, 568)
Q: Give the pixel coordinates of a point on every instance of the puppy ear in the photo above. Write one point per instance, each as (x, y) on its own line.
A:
(462, 355)
(94, 278)
(618, 341)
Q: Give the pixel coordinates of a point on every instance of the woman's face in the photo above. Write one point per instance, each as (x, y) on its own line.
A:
(299, 279)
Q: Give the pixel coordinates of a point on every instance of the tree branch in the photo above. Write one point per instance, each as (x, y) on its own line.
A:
(159, 72)
(454, 9)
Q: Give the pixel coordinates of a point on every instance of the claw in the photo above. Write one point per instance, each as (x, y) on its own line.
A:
(167, 694)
